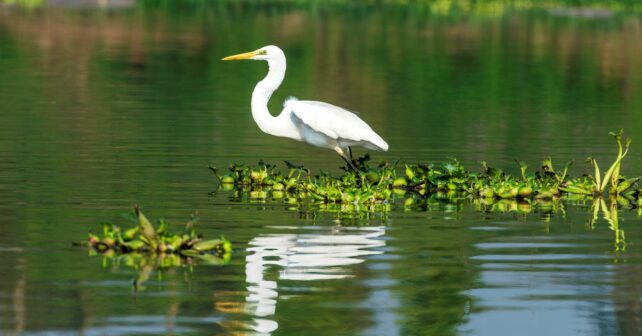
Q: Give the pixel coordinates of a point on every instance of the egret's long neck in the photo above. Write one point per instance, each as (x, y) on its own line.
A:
(261, 95)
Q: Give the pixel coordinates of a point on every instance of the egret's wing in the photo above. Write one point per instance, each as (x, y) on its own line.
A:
(334, 122)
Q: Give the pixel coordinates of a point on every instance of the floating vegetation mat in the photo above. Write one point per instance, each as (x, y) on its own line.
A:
(145, 248)
(144, 238)
(375, 187)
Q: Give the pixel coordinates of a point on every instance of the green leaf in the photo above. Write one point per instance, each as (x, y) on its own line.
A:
(207, 245)
(146, 228)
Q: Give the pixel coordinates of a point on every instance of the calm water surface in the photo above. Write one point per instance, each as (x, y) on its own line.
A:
(101, 109)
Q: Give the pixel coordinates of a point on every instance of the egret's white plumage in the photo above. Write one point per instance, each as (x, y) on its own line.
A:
(317, 123)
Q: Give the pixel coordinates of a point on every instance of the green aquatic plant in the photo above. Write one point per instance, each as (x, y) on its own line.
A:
(146, 248)
(597, 184)
(145, 239)
(379, 185)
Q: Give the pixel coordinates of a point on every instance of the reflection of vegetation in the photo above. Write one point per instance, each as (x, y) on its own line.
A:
(380, 184)
(146, 263)
(610, 214)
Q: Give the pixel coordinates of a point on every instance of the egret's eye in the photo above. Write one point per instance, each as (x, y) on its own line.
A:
(262, 52)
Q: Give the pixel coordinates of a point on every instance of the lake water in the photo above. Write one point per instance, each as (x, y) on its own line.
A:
(103, 108)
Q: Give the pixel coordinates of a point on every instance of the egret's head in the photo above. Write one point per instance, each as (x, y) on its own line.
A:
(262, 54)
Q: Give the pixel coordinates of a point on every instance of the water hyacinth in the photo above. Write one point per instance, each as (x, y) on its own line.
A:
(381, 183)
(147, 239)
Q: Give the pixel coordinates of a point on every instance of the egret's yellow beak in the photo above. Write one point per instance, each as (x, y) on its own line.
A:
(243, 56)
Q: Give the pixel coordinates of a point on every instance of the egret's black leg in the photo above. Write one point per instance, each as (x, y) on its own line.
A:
(342, 154)
(354, 163)
(358, 181)
(350, 164)
(356, 171)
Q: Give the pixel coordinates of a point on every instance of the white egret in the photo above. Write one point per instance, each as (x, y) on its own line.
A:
(317, 123)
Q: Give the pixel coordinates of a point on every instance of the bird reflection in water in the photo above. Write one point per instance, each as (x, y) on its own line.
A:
(299, 257)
